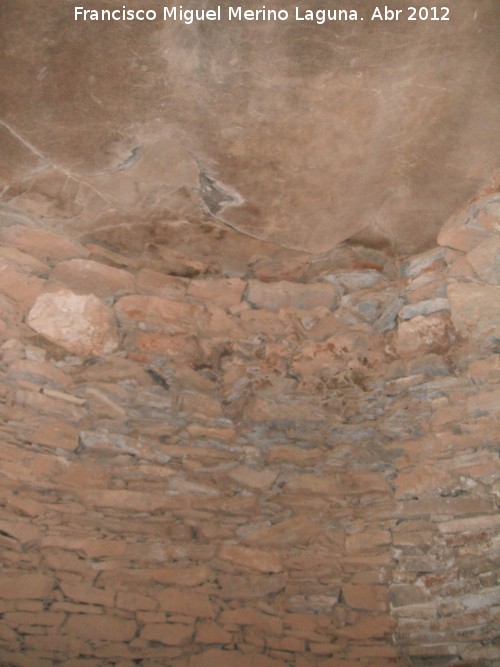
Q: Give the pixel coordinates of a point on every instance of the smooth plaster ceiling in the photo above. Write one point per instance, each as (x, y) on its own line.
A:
(300, 135)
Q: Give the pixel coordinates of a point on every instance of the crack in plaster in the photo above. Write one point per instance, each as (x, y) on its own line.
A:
(217, 196)
(52, 164)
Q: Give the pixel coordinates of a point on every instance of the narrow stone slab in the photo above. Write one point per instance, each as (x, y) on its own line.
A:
(26, 586)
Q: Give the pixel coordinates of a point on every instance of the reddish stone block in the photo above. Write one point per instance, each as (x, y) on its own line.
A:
(212, 633)
(56, 433)
(368, 540)
(254, 559)
(85, 276)
(221, 292)
(23, 261)
(161, 284)
(249, 616)
(134, 601)
(291, 644)
(254, 478)
(172, 634)
(363, 596)
(368, 627)
(104, 627)
(183, 576)
(25, 586)
(425, 479)
(41, 243)
(22, 531)
(425, 334)
(179, 348)
(18, 286)
(43, 618)
(185, 602)
(178, 316)
(250, 587)
(87, 593)
(297, 530)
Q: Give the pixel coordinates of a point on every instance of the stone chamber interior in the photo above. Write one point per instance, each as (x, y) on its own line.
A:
(249, 340)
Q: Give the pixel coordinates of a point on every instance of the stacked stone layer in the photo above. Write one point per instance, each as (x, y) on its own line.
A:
(295, 467)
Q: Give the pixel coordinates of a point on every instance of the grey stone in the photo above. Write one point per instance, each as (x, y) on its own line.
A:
(351, 282)
(366, 305)
(487, 598)
(402, 595)
(423, 308)
(274, 296)
(412, 267)
(388, 317)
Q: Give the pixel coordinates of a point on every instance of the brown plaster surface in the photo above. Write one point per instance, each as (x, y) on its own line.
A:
(315, 133)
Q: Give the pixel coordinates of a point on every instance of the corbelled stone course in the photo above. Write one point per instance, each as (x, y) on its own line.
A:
(279, 468)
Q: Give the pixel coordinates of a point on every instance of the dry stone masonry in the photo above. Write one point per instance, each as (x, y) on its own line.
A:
(293, 466)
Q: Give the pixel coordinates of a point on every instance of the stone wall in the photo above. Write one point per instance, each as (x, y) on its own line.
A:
(296, 466)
